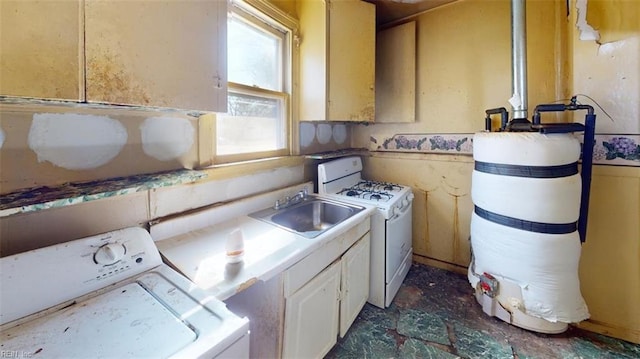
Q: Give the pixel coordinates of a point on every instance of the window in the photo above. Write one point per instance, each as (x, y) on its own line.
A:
(259, 59)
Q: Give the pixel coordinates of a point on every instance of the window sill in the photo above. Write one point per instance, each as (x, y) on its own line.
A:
(234, 169)
(40, 198)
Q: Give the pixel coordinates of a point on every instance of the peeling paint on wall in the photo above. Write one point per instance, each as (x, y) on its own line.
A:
(166, 138)
(340, 134)
(316, 136)
(614, 19)
(324, 133)
(76, 142)
(586, 31)
(307, 134)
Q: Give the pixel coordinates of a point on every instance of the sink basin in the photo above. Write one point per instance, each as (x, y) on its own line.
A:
(309, 218)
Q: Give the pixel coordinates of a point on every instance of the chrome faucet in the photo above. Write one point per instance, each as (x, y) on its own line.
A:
(290, 201)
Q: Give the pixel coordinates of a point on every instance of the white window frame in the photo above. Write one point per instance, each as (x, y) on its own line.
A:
(264, 14)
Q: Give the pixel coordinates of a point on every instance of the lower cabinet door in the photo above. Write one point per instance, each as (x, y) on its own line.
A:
(311, 316)
(355, 282)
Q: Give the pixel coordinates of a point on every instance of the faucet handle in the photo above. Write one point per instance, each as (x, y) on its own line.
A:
(304, 192)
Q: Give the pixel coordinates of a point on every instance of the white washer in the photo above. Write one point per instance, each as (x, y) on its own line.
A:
(110, 295)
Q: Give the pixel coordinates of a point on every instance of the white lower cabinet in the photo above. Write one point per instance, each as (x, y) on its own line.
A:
(354, 282)
(321, 302)
(311, 316)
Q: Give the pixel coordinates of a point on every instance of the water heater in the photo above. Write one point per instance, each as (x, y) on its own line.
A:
(530, 211)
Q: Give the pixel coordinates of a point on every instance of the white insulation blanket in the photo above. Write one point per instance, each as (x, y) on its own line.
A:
(544, 265)
(545, 200)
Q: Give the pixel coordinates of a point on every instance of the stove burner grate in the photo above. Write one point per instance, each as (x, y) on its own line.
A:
(359, 192)
(377, 186)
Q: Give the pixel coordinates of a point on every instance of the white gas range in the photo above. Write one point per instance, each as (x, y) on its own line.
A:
(391, 247)
(110, 296)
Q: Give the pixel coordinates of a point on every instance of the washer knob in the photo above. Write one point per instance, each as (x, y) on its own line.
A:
(109, 254)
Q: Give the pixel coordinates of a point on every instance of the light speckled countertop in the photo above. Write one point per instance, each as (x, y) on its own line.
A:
(269, 250)
(41, 198)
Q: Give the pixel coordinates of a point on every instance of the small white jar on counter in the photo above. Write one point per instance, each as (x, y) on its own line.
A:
(235, 246)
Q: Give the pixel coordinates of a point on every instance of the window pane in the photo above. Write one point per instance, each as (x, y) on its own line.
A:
(254, 57)
(252, 124)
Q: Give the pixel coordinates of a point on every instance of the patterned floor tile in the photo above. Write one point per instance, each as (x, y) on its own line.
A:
(422, 325)
(413, 348)
(435, 315)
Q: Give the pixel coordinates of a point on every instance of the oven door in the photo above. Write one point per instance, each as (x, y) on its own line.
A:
(398, 240)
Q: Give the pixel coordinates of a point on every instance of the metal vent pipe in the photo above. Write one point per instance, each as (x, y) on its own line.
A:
(519, 58)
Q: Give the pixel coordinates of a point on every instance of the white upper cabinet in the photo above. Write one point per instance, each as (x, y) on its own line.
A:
(337, 60)
(157, 53)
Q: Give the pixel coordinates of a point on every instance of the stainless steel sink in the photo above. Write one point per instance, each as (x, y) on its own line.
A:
(310, 217)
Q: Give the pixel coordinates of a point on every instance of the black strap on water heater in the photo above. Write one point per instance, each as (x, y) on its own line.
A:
(527, 171)
(538, 227)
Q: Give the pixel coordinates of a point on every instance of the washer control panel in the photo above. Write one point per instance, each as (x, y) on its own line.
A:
(110, 253)
(52, 275)
(120, 253)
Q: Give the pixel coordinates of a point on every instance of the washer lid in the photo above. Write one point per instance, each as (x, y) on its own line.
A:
(125, 322)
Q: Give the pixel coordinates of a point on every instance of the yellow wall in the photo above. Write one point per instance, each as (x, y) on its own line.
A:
(610, 260)
(464, 64)
(609, 71)
(463, 68)
(614, 19)
(442, 204)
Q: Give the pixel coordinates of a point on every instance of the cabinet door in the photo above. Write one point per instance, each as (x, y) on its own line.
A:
(352, 39)
(355, 282)
(396, 74)
(313, 60)
(41, 51)
(157, 53)
(311, 316)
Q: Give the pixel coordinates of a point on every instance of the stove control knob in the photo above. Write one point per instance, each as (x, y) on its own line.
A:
(410, 196)
(405, 203)
(109, 254)
(396, 211)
